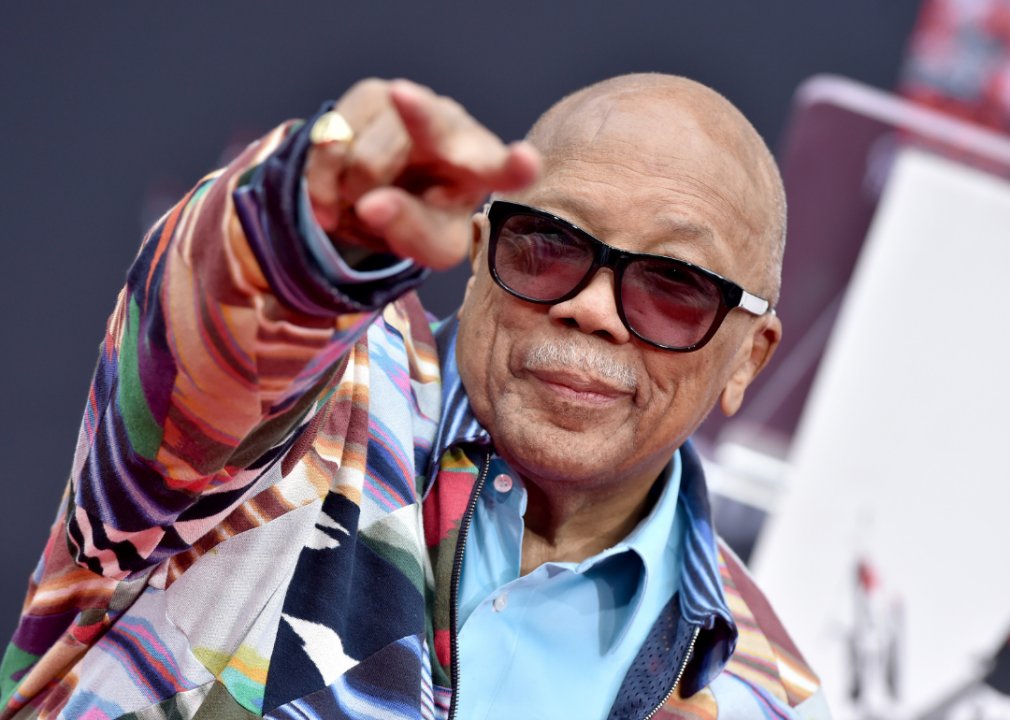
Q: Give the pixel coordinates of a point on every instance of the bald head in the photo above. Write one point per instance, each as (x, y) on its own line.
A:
(573, 397)
(650, 114)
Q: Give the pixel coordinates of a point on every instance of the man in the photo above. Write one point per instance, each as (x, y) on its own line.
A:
(292, 498)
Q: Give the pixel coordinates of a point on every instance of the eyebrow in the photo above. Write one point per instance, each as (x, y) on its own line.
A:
(675, 227)
(579, 208)
(679, 226)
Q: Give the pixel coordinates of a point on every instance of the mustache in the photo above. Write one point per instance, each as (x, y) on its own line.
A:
(552, 354)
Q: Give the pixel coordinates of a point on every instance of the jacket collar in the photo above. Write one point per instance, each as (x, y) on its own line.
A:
(457, 424)
(703, 603)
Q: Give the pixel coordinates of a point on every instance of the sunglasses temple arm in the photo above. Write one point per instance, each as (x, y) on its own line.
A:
(753, 304)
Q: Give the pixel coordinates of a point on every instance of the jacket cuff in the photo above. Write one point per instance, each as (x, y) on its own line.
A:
(331, 261)
(268, 207)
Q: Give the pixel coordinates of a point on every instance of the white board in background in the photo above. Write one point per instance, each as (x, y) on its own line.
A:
(903, 452)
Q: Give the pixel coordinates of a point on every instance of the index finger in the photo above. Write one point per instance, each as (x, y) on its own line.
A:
(453, 146)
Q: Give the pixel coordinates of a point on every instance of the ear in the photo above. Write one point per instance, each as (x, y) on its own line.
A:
(754, 353)
(480, 228)
(481, 232)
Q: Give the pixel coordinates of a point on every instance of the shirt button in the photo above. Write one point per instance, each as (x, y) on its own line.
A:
(503, 483)
(501, 602)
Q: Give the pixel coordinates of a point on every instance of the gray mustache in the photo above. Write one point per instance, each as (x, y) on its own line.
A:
(568, 353)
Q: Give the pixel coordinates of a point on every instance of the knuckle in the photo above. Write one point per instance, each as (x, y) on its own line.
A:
(362, 95)
(451, 114)
(369, 86)
(366, 171)
(420, 86)
(453, 107)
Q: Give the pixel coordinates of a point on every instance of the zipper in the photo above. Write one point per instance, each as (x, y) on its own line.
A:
(680, 673)
(457, 570)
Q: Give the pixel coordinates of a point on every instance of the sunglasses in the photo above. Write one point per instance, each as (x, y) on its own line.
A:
(666, 302)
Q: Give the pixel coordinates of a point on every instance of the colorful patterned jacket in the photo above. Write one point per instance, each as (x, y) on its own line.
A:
(271, 493)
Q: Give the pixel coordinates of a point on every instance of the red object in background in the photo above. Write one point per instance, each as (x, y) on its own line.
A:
(958, 60)
(868, 579)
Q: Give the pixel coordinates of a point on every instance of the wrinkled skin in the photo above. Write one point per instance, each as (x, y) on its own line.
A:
(648, 163)
(639, 171)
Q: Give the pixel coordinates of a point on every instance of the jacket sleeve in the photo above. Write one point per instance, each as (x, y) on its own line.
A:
(220, 343)
(767, 670)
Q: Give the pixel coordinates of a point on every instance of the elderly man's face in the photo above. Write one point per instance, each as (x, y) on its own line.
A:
(647, 179)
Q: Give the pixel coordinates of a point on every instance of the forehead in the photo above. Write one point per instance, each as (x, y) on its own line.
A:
(665, 232)
(671, 205)
(658, 171)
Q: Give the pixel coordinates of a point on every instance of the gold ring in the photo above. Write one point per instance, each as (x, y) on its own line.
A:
(330, 128)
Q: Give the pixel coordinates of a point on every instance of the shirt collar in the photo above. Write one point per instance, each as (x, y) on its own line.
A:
(657, 541)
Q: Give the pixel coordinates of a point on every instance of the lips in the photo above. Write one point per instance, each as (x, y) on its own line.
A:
(579, 387)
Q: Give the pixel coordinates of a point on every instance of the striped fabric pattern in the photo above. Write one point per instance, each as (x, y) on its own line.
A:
(765, 655)
(271, 478)
(700, 706)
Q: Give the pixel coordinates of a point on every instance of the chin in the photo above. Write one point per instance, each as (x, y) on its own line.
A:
(556, 453)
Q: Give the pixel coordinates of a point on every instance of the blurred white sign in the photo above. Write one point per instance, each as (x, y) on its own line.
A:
(902, 458)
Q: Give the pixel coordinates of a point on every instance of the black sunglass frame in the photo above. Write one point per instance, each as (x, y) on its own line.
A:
(731, 295)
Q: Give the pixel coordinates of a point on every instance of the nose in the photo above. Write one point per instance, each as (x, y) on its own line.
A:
(593, 310)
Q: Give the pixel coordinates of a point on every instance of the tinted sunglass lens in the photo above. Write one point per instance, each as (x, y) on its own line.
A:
(667, 303)
(540, 259)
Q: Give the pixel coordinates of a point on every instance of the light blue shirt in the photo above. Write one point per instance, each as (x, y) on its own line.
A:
(557, 642)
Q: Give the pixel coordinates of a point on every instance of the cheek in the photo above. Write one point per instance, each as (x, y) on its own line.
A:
(489, 317)
(477, 321)
(494, 327)
(480, 344)
(684, 389)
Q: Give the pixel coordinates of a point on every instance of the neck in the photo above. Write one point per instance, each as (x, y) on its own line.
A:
(566, 524)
